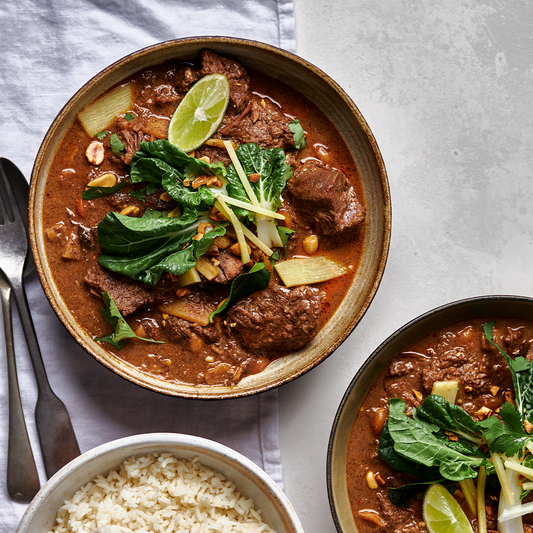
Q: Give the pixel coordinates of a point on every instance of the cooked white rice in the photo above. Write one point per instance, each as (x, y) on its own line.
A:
(159, 493)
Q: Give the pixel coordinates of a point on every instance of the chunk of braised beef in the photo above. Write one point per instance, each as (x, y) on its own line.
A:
(190, 335)
(264, 124)
(276, 318)
(186, 76)
(165, 94)
(325, 197)
(230, 267)
(129, 295)
(214, 153)
(239, 81)
(132, 142)
(87, 237)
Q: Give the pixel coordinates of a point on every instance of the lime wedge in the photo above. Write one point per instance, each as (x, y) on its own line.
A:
(442, 513)
(200, 113)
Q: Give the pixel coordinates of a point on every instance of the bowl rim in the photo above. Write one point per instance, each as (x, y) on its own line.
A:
(467, 304)
(214, 448)
(219, 392)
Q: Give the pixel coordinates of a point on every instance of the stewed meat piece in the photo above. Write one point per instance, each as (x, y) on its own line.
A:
(325, 196)
(263, 122)
(276, 318)
(230, 267)
(183, 332)
(239, 81)
(128, 294)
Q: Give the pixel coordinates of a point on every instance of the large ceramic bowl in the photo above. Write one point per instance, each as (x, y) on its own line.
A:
(250, 480)
(344, 115)
(485, 306)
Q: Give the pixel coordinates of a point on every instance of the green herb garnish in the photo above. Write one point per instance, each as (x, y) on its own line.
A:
(117, 146)
(121, 328)
(256, 279)
(298, 134)
(95, 192)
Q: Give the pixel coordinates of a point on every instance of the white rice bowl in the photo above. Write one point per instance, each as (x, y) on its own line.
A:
(158, 492)
(164, 483)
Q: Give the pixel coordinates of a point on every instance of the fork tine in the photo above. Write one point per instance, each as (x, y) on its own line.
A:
(7, 198)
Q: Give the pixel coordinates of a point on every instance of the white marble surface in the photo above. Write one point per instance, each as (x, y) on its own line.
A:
(446, 87)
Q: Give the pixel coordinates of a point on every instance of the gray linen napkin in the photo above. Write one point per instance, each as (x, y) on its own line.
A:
(48, 49)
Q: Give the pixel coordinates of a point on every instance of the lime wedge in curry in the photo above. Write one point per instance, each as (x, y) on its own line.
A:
(200, 113)
(442, 513)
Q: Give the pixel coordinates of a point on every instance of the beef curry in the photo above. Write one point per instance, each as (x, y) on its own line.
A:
(227, 313)
(479, 360)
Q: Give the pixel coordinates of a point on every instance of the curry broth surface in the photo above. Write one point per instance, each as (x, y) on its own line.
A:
(402, 379)
(71, 171)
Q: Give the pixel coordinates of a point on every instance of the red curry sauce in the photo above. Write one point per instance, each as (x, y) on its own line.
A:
(65, 215)
(458, 352)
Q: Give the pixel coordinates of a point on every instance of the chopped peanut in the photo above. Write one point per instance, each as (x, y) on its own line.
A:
(371, 480)
(254, 178)
(216, 215)
(418, 395)
(210, 359)
(484, 412)
(310, 244)
(508, 395)
(322, 153)
(213, 181)
(186, 182)
(205, 158)
(199, 181)
(494, 390)
(165, 197)
(219, 143)
(131, 211)
(105, 180)
(379, 420)
(372, 516)
(235, 249)
(140, 331)
(197, 237)
(451, 436)
(528, 426)
(95, 153)
(202, 227)
(379, 479)
(183, 291)
(468, 388)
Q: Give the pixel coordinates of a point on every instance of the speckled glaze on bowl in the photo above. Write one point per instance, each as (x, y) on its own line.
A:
(510, 306)
(342, 112)
(249, 479)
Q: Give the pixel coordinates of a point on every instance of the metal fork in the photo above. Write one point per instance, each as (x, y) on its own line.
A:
(56, 434)
(22, 477)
